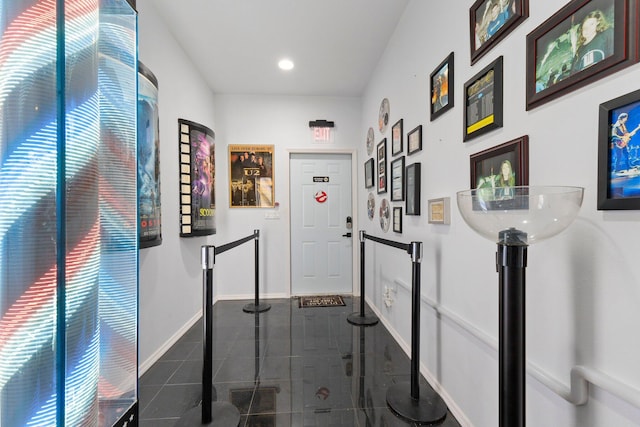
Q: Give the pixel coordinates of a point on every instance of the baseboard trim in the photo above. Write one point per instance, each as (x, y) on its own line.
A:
(144, 366)
(431, 379)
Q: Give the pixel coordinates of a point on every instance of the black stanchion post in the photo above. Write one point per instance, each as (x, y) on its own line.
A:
(409, 401)
(511, 262)
(217, 414)
(361, 319)
(256, 307)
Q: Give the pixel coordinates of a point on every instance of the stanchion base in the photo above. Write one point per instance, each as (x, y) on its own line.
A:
(222, 415)
(366, 320)
(259, 308)
(428, 409)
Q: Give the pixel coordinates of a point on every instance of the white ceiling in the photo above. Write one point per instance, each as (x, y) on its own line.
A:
(236, 44)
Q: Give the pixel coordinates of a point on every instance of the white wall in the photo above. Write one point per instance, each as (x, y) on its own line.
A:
(170, 274)
(284, 122)
(582, 288)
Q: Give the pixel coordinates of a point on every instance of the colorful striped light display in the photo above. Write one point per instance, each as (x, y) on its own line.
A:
(99, 220)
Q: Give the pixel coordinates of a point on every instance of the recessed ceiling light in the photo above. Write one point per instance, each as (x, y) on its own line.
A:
(285, 64)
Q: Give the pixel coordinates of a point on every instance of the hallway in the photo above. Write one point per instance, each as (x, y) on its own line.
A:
(286, 367)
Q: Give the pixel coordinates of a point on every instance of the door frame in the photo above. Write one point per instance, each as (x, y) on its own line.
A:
(355, 247)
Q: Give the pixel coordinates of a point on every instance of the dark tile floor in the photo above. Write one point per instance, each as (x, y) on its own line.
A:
(286, 367)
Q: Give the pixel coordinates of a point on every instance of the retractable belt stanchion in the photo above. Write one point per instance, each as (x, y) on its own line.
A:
(257, 306)
(217, 414)
(410, 401)
(360, 319)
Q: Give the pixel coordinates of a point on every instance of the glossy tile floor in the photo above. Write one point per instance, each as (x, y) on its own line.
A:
(286, 367)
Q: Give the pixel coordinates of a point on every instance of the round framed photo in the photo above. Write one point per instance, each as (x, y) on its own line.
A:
(371, 206)
(370, 143)
(383, 116)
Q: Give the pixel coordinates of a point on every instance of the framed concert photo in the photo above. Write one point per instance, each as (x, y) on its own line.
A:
(369, 180)
(397, 219)
(581, 43)
(491, 20)
(483, 101)
(396, 138)
(618, 153)
(413, 189)
(442, 85)
(496, 172)
(414, 140)
(382, 166)
(397, 180)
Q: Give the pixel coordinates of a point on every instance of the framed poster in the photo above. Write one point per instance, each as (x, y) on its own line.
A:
(396, 138)
(491, 20)
(397, 180)
(442, 86)
(414, 140)
(618, 153)
(149, 201)
(413, 189)
(583, 42)
(368, 173)
(197, 179)
(397, 219)
(496, 171)
(483, 101)
(382, 166)
(251, 178)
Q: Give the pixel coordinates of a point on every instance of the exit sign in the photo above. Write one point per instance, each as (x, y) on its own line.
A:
(321, 131)
(322, 134)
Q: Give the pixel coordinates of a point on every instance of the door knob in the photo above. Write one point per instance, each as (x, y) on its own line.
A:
(346, 235)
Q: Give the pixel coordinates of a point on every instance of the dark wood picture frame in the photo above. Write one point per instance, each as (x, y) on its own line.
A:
(412, 191)
(618, 137)
(557, 66)
(414, 140)
(496, 170)
(396, 138)
(442, 84)
(397, 219)
(382, 166)
(483, 96)
(369, 175)
(485, 30)
(397, 180)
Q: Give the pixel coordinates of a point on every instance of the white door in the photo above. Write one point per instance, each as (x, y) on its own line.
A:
(321, 237)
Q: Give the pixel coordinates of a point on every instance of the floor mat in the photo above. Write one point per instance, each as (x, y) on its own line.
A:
(321, 301)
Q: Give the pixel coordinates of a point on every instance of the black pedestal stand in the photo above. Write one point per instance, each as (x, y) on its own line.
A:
(217, 414)
(511, 262)
(409, 400)
(360, 319)
(257, 306)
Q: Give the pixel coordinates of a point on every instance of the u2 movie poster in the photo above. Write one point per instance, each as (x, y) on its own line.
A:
(251, 176)
(197, 179)
(149, 207)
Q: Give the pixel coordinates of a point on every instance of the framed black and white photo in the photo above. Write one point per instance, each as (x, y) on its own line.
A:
(369, 180)
(413, 189)
(397, 219)
(397, 180)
